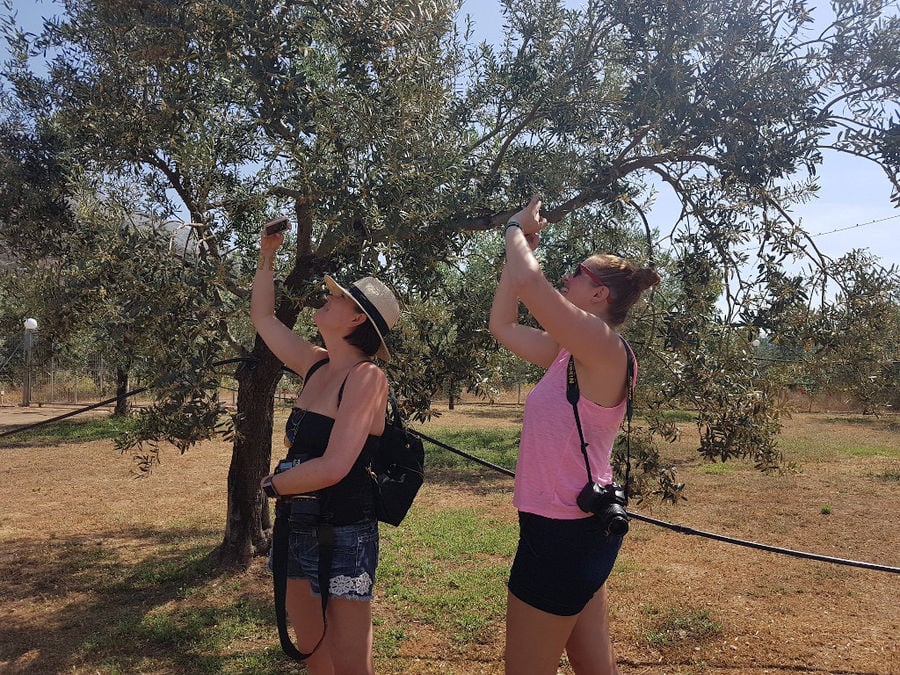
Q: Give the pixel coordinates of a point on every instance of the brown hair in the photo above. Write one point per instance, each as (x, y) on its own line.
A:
(625, 282)
(365, 337)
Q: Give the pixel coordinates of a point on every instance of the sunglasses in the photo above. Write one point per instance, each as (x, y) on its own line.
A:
(593, 277)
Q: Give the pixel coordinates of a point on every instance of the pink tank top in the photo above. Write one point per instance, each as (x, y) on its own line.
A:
(550, 469)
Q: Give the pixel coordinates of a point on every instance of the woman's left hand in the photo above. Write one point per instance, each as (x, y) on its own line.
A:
(530, 218)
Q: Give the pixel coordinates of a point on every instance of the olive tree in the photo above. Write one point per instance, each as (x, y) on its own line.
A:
(393, 138)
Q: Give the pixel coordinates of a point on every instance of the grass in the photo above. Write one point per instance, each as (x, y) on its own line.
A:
(834, 448)
(453, 556)
(676, 415)
(146, 598)
(72, 431)
(434, 571)
(496, 445)
(169, 611)
(675, 625)
(194, 639)
(891, 475)
(719, 468)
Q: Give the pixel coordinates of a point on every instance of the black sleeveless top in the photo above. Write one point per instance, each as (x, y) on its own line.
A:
(351, 499)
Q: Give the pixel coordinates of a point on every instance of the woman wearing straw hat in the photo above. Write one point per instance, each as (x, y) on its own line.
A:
(557, 594)
(335, 427)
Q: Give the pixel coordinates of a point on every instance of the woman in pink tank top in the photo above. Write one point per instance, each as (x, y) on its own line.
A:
(557, 598)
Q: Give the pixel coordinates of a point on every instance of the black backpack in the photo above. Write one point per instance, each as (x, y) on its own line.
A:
(398, 468)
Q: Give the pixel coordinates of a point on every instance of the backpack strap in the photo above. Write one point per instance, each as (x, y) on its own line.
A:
(313, 368)
(347, 377)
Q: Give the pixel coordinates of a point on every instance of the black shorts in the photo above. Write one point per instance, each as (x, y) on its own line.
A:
(561, 564)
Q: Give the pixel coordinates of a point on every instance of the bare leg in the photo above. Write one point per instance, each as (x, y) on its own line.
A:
(589, 648)
(304, 611)
(349, 636)
(534, 639)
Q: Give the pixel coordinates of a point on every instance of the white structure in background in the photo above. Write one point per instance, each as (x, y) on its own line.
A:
(30, 326)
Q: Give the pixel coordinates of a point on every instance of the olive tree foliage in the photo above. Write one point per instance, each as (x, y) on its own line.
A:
(234, 111)
(848, 345)
(392, 138)
(100, 271)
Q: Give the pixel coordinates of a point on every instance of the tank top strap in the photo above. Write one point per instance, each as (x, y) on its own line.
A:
(313, 368)
(347, 376)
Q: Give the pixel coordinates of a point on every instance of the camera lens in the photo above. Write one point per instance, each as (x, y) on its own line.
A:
(618, 526)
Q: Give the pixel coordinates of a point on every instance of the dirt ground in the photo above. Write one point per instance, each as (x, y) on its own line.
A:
(679, 604)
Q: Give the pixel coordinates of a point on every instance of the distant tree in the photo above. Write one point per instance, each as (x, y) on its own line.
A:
(850, 343)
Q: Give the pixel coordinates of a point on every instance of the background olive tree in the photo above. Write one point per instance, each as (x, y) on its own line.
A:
(396, 142)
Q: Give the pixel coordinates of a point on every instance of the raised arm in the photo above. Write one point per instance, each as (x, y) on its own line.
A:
(293, 351)
(531, 344)
(585, 335)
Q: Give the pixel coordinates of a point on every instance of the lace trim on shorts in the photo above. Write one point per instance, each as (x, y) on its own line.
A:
(343, 585)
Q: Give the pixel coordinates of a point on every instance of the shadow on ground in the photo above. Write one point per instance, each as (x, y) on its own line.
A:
(96, 599)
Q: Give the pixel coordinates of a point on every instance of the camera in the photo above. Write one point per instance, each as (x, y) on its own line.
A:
(276, 226)
(306, 507)
(607, 502)
(284, 465)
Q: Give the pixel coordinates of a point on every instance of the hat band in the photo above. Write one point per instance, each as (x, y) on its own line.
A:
(370, 310)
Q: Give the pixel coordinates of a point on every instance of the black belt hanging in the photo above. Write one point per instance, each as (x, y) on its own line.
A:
(280, 541)
(573, 394)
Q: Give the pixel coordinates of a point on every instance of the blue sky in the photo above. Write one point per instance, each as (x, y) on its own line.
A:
(853, 210)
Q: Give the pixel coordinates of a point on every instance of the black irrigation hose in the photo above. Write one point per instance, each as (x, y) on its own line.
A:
(108, 401)
(473, 458)
(682, 529)
(764, 547)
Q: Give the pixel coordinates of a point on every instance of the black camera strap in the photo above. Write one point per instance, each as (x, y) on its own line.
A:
(280, 541)
(573, 394)
(280, 549)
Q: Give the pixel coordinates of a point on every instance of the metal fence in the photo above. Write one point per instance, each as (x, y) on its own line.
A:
(32, 372)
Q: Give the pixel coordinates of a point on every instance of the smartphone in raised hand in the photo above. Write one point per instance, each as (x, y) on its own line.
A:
(275, 226)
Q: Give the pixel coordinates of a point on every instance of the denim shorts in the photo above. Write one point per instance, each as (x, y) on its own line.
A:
(561, 564)
(354, 561)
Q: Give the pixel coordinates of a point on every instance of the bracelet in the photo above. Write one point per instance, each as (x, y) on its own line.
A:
(269, 488)
(511, 223)
(266, 263)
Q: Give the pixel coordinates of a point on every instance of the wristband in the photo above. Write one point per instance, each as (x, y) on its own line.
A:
(269, 488)
(511, 223)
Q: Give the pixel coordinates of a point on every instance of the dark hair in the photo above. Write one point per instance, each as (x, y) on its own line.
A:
(365, 337)
(626, 283)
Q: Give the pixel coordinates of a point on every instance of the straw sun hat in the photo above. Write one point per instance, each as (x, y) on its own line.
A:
(376, 301)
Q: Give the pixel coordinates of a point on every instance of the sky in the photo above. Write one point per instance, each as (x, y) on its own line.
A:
(853, 210)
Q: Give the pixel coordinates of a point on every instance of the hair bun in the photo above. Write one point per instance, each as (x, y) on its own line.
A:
(645, 278)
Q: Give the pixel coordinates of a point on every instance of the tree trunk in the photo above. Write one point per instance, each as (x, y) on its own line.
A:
(122, 403)
(248, 525)
(248, 521)
(451, 399)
